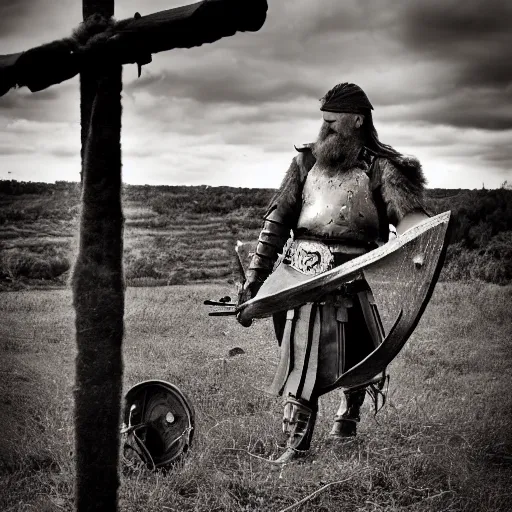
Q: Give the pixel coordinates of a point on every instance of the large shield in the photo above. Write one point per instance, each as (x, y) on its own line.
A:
(401, 274)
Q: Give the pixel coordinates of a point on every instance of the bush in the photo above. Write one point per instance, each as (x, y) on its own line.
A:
(197, 226)
(16, 264)
(141, 267)
(491, 263)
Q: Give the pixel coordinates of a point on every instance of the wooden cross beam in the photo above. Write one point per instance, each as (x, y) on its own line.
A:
(97, 50)
(100, 41)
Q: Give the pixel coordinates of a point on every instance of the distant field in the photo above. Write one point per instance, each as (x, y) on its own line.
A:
(169, 237)
(178, 234)
(443, 442)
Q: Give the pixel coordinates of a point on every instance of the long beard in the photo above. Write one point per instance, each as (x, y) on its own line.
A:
(336, 150)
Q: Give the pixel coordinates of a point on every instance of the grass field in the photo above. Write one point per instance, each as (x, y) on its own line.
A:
(443, 441)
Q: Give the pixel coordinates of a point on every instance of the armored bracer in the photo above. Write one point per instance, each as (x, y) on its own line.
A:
(271, 241)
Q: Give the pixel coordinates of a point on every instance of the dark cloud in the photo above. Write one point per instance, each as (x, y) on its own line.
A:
(354, 18)
(245, 85)
(495, 71)
(485, 109)
(443, 23)
(59, 103)
(474, 37)
(336, 18)
(437, 72)
(469, 46)
(16, 98)
(496, 154)
(6, 150)
(458, 49)
(65, 152)
(471, 118)
(501, 157)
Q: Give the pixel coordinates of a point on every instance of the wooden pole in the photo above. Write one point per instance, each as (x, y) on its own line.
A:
(88, 78)
(98, 287)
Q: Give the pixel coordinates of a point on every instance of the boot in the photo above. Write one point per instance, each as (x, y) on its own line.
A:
(345, 424)
(298, 424)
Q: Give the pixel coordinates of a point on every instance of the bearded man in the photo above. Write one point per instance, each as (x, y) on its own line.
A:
(339, 197)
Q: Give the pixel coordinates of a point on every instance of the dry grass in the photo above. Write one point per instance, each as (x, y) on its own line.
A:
(443, 442)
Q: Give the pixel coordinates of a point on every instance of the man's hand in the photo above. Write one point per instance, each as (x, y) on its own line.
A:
(248, 291)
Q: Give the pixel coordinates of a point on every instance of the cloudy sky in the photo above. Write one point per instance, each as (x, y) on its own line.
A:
(438, 73)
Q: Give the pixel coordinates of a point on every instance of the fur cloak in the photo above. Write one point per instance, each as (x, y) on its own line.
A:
(397, 188)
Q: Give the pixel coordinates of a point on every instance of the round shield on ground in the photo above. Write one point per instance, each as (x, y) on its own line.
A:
(158, 424)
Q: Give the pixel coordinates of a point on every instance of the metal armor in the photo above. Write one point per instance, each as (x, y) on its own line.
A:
(272, 238)
(338, 206)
